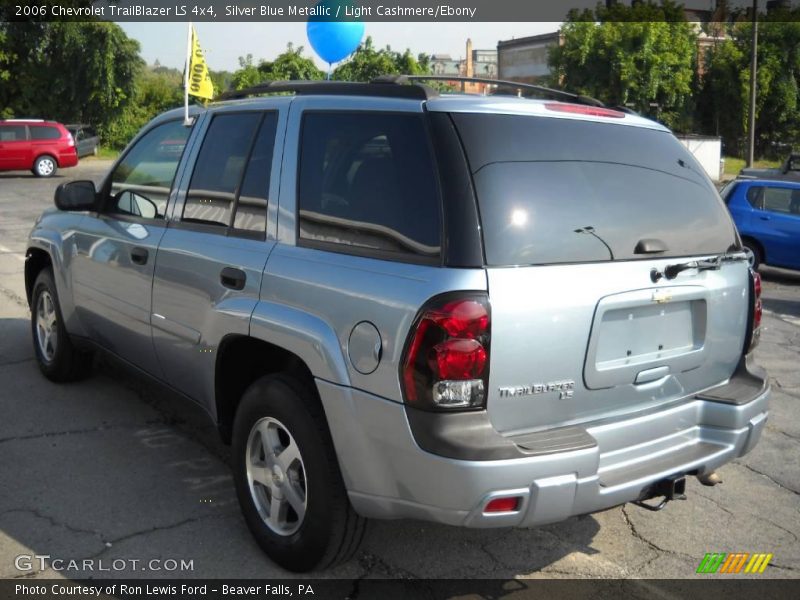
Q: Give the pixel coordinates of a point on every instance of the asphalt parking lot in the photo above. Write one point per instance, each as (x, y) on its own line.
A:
(113, 468)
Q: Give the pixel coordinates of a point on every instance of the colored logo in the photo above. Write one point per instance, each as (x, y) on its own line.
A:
(736, 562)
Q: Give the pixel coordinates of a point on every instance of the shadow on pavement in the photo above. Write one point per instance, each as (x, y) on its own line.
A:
(783, 307)
(115, 467)
(780, 276)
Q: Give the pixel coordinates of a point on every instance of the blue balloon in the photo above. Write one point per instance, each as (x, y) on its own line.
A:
(334, 40)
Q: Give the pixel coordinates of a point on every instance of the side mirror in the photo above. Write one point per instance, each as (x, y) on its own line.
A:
(76, 195)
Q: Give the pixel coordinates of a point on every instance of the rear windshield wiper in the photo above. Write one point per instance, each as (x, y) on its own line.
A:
(706, 264)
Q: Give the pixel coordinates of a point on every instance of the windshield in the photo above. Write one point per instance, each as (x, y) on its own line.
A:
(554, 190)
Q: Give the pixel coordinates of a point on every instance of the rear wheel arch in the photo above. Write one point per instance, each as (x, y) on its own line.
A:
(36, 259)
(241, 360)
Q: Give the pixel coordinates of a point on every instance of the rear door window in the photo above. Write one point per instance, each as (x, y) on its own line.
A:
(367, 185)
(781, 200)
(43, 132)
(230, 184)
(555, 190)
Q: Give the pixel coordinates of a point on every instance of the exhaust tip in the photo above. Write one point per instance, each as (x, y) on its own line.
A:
(710, 479)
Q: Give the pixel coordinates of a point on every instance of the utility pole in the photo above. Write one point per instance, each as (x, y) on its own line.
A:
(751, 128)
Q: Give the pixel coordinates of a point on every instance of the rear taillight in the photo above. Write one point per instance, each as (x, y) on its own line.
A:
(70, 140)
(758, 310)
(446, 361)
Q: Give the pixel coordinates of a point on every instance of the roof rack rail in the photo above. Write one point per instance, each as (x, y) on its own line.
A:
(545, 91)
(337, 88)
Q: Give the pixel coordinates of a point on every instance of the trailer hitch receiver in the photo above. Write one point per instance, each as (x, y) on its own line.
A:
(671, 488)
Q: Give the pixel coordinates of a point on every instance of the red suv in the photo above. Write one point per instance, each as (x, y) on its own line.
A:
(36, 145)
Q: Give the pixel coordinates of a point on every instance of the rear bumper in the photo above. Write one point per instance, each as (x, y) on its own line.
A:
(67, 158)
(389, 476)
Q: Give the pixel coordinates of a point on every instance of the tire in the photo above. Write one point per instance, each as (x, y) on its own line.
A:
(45, 166)
(58, 359)
(755, 256)
(278, 409)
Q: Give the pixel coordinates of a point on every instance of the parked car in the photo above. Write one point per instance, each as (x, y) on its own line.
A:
(87, 141)
(36, 145)
(767, 214)
(789, 170)
(478, 311)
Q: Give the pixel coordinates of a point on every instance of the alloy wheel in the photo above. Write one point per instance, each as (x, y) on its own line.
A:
(276, 476)
(46, 326)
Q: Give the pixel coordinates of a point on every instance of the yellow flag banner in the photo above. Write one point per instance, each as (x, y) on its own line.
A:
(199, 80)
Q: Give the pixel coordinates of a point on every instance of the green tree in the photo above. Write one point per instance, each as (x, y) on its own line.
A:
(289, 65)
(367, 63)
(641, 56)
(222, 80)
(5, 70)
(725, 95)
(247, 75)
(68, 71)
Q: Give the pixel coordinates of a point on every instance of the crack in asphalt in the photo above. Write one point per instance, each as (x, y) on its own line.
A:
(169, 419)
(109, 544)
(782, 432)
(557, 571)
(369, 563)
(778, 483)
(372, 563)
(495, 559)
(53, 521)
(17, 362)
(36, 436)
(159, 528)
(714, 501)
(773, 565)
(787, 391)
(650, 544)
(13, 297)
(752, 514)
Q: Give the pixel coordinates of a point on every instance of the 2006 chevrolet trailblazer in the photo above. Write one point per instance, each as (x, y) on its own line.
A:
(481, 311)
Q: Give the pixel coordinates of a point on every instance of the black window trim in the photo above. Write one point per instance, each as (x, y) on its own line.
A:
(373, 253)
(105, 192)
(230, 230)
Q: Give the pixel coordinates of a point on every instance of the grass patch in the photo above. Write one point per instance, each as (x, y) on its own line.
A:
(103, 153)
(733, 165)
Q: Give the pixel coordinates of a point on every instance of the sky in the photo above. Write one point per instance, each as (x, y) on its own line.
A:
(224, 43)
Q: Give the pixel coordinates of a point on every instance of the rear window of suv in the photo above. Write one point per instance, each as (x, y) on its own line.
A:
(554, 190)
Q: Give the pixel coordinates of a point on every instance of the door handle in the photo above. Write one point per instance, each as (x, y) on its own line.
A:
(139, 256)
(764, 218)
(233, 278)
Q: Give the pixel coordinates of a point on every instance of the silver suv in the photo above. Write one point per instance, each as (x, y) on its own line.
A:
(484, 311)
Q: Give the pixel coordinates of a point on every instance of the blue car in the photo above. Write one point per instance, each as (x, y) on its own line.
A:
(767, 214)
